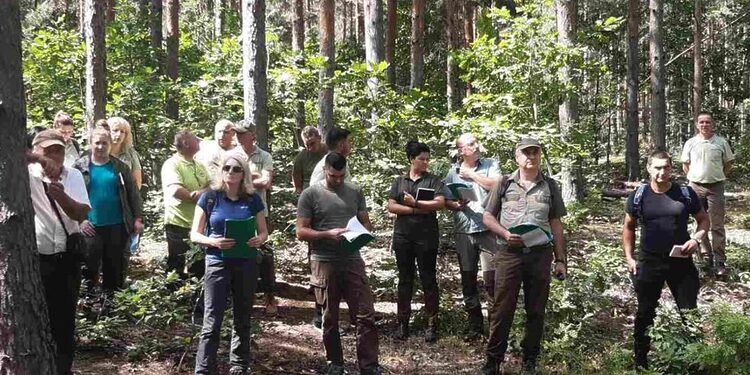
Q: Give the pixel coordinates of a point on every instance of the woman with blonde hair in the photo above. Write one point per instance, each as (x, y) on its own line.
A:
(123, 148)
(232, 198)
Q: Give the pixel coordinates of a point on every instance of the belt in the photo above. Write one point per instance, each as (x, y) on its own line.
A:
(55, 256)
(527, 250)
(707, 183)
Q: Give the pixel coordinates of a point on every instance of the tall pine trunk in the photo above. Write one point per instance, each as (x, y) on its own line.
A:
(656, 52)
(390, 42)
(697, 61)
(219, 18)
(26, 345)
(255, 60)
(568, 110)
(360, 14)
(469, 7)
(298, 45)
(328, 51)
(632, 158)
(417, 43)
(96, 61)
(453, 34)
(173, 47)
(157, 37)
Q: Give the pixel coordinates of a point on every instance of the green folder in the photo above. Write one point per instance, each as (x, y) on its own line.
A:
(532, 235)
(240, 230)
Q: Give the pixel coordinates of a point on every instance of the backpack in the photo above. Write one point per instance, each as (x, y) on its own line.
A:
(638, 200)
(210, 201)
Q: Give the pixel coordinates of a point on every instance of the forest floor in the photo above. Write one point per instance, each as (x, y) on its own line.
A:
(288, 344)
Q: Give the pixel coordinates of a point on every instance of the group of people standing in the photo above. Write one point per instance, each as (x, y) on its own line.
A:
(87, 207)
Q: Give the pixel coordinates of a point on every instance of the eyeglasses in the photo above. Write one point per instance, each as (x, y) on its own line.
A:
(234, 169)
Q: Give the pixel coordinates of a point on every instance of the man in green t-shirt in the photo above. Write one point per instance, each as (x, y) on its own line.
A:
(307, 159)
(183, 182)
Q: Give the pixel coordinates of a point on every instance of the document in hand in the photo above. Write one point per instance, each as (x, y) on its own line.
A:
(356, 235)
(463, 191)
(240, 230)
(425, 194)
(677, 252)
(531, 234)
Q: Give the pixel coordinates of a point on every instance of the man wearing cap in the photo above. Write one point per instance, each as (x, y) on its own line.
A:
(707, 160)
(524, 197)
(474, 242)
(58, 194)
(261, 170)
(211, 151)
(183, 181)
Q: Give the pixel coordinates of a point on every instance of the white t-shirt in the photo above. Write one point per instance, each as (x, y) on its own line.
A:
(319, 175)
(50, 236)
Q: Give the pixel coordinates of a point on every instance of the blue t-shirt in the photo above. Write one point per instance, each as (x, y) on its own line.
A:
(225, 208)
(104, 196)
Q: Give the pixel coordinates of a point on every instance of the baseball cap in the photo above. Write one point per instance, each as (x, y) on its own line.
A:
(243, 126)
(527, 142)
(48, 138)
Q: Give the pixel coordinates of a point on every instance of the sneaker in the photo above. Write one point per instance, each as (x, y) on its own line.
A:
(271, 305)
(720, 269)
(238, 371)
(491, 366)
(529, 366)
(402, 332)
(334, 369)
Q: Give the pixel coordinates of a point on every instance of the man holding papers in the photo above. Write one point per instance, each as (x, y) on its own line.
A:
(468, 183)
(662, 210)
(520, 204)
(324, 211)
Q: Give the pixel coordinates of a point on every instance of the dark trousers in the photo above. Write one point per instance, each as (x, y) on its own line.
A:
(472, 249)
(516, 269)
(238, 276)
(107, 250)
(267, 281)
(177, 248)
(346, 279)
(61, 277)
(682, 278)
(424, 253)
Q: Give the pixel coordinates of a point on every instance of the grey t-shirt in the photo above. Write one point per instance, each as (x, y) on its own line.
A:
(329, 209)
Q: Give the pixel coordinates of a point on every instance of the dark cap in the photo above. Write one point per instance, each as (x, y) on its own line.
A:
(527, 142)
(243, 126)
(48, 138)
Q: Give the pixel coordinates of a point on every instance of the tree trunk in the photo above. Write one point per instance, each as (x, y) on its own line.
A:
(360, 14)
(254, 65)
(298, 45)
(656, 51)
(157, 38)
(219, 18)
(26, 345)
(568, 110)
(417, 43)
(328, 51)
(453, 31)
(111, 4)
(632, 158)
(697, 61)
(468, 10)
(96, 62)
(390, 42)
(173, 47)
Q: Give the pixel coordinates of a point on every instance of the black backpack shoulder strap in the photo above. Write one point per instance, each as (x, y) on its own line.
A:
(210, 202)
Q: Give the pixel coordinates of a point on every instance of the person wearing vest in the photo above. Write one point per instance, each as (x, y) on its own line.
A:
(707, 161)
(526, 198)
(662, 210)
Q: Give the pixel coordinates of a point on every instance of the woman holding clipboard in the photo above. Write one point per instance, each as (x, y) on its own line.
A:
(414, 198)
(229, 223)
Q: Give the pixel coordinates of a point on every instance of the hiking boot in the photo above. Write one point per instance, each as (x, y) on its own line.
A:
(238, 371)
(720, 269)
(375, 370)
(476, 321)
(430, 334)
(529, 366)
(334, 369)
(491, 366)
(271, 304)
(317, 320)
(402, 331)
(640, 360)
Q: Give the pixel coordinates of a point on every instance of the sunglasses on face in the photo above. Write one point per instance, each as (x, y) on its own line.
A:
(234, 169)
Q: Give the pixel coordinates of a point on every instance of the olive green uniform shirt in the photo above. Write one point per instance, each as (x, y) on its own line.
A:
(189, 174)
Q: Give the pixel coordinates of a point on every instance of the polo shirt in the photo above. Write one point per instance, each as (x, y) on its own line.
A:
(50, 236)
(706, 158)
(537, 205)
(469, 220)
(415, 226)
(223, 209)
(210, 156)
(187, 173)
(259, 160)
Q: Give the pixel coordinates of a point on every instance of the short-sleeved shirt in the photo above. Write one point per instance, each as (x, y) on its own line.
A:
(130, 157)
(106, 208)
(50, 235)
(305, 163)
(469, 220)
(259, 160)
(224, 208)
(415, 226)
(706, 158)
(537, 205)
(189, 174)
(209, 156)
(663, 219)
(328, 209)
(71, 154)
(318, 175)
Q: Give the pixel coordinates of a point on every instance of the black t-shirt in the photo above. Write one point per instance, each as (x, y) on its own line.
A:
(663, 218)
(415, 226)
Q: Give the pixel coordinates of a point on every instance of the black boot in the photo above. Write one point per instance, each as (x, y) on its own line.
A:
(491, 366)
(402, 332)
(476, 320)
(640, 350)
